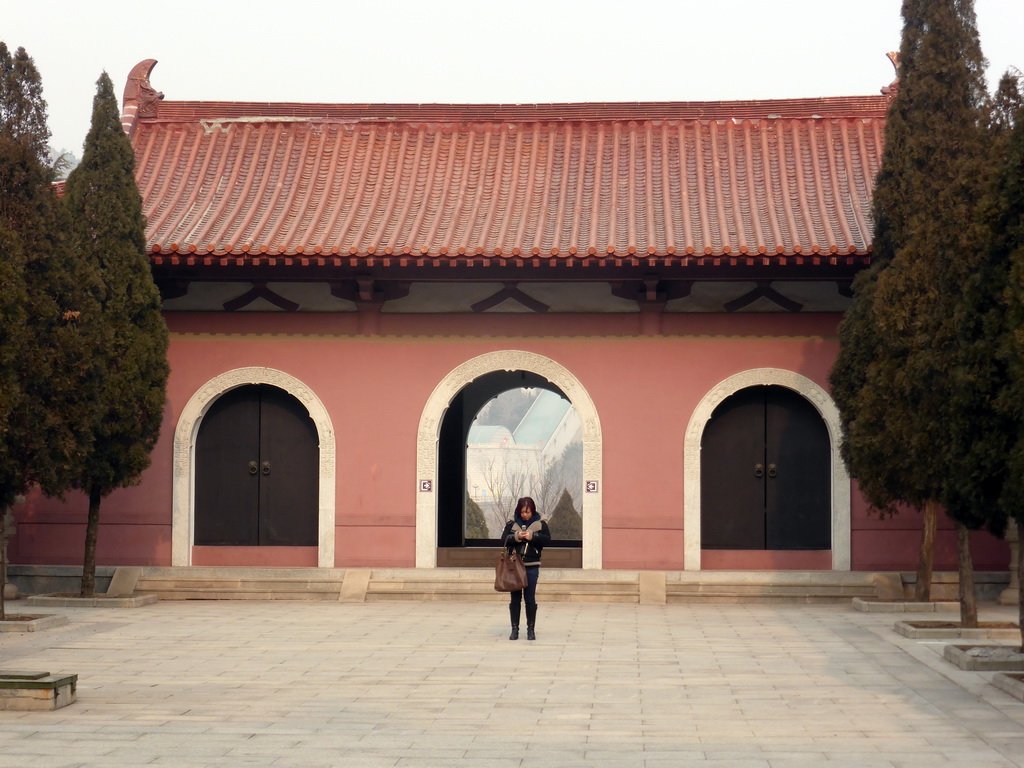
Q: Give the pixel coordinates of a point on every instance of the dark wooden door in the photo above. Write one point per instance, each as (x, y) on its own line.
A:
(227, 491)
(257, 475)
(765, 474)
(732, 493)
(798, 476)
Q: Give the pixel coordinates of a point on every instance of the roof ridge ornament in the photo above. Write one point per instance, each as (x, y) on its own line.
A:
(893, 88)
(140, 98)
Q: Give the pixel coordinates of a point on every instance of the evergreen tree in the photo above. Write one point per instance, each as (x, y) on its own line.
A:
(899, 342)
(42, 403)
(44, 406)
(476, 524)
(22, 107)
(565, 522)
(130, 336)
(12, 341)
(24, 183)
(1006, 104)
(982, 421)
(1007, 251)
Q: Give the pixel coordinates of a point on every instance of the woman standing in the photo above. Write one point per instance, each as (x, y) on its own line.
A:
(527, 534)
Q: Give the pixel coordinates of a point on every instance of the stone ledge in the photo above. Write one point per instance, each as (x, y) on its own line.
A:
(34, 691)
(1010, 683)
(946, 584)
(51, 579)
(98, 601)
(868, 605)
(937, 632)
(33, 623)
(985, 658)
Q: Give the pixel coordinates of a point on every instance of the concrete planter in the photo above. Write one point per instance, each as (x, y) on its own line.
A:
(868, 605)
(939, 630)
(36, 691)
(1010, 682)
(985, 658)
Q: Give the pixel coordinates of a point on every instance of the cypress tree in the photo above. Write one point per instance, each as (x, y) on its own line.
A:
(23, 109)
(981, 426)
(44, 403)
(13, 318)
(45, 294)
(130, 336)
(1007, 250)
(1006, 104)
(476, 524)
(12, 341)
(565, 522)
(24, 217)
(896, 352)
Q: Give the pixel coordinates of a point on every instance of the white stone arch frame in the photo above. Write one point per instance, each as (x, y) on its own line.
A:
(183, 490)
(840, 479)
(429, 433)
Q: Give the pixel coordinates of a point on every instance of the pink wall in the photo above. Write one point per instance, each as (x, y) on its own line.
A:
(644, 388)
(883, 545)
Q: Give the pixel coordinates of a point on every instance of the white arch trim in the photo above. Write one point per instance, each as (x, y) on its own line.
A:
(183, 490)
(429, 433)
(820, 399)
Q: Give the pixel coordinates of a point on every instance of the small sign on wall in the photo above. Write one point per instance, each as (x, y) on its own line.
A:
(426, 486)
(591, 486)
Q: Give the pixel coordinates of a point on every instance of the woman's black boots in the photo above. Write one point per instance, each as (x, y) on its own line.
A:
(531, 621)
(513, 613)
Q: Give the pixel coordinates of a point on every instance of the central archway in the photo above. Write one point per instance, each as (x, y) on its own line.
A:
(429, 434)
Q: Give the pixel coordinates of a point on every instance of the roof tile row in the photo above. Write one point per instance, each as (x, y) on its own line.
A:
(443, 182)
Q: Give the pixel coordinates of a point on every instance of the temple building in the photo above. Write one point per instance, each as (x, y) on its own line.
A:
(352, 290)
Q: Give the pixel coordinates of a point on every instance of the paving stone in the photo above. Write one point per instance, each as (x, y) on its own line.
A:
(304, 685)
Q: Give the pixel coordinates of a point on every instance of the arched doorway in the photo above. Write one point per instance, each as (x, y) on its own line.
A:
(765, 474)
(185, 439)
(256, 471)
(506, 435)
(838, 479)
(431, 441)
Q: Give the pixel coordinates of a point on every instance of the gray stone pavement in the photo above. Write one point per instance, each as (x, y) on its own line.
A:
(419, 685)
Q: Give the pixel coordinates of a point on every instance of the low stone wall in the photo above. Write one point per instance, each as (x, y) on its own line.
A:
(946, 584)
(60, 579)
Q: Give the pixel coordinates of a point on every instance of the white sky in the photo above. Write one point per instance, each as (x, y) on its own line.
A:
(424, 51)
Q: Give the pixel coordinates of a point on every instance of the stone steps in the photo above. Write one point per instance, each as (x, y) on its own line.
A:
(770, 587)
(475, 585)
(199, 583)
(478, 585)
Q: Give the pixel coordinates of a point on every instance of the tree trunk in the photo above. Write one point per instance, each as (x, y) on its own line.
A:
(91, 530)
(930, 521)
(3, 576)
(1020, 580)
(968, 596)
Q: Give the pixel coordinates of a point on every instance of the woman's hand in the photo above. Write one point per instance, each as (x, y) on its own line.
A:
(528, 535)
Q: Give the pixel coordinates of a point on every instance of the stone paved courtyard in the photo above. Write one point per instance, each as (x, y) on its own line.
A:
(418, 685)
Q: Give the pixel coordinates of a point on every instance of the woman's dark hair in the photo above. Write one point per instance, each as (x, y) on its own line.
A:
(527, 502)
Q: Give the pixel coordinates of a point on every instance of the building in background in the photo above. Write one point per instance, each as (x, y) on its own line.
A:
(348, 286)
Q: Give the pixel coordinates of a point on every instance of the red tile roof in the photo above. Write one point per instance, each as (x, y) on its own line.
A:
(229, 182)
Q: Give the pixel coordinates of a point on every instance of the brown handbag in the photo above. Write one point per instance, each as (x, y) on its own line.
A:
(509, 572)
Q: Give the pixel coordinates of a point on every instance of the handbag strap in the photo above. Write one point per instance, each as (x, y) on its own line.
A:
(506, 552)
